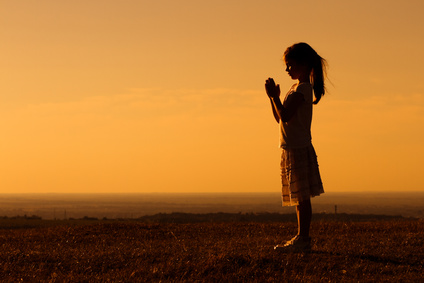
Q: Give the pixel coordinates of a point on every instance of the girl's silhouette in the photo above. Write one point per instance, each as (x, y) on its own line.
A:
(299, 167)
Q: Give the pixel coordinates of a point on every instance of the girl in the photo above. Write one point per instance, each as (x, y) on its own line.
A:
(299, 167)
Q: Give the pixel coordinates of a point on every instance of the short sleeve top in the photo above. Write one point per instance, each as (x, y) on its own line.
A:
(296, 133)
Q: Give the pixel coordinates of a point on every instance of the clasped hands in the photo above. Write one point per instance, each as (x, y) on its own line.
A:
(272, 90)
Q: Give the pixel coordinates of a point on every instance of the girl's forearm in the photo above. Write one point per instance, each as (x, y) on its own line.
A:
(274, 111)
(278, 109)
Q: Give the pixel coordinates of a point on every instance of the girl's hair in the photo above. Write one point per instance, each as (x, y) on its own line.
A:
(304, 54)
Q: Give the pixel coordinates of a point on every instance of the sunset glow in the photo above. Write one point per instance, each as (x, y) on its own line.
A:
(168, 96)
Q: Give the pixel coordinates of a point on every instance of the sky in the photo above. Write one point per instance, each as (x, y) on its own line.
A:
(168, 96)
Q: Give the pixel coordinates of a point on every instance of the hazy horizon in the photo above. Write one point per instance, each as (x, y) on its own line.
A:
(369, 193)
(133, 205)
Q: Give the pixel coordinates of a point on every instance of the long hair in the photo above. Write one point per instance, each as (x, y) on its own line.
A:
(302, 53)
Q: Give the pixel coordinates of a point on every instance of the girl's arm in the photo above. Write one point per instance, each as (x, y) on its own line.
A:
(274, 111)
(283, 113)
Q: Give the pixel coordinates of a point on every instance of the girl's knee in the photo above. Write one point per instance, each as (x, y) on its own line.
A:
(306, 202)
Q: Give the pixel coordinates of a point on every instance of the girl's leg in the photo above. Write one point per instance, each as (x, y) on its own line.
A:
(304, 216)
(301, 242)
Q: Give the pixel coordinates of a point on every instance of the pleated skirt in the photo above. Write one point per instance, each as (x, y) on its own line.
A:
(300, 175)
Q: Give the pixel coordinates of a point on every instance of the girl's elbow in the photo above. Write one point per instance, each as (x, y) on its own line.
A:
(284, 118)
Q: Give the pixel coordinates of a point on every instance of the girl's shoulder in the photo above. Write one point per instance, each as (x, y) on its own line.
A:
(300, 87)
(306, 90)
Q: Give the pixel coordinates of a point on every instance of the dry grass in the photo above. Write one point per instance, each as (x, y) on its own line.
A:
(212, 252)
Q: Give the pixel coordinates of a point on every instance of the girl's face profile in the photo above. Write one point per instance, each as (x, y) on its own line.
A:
(293, 69)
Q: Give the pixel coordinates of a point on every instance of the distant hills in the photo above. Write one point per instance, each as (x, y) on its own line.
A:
(135, 206)
(259, 217)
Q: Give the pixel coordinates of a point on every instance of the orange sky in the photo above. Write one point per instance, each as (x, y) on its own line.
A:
(168, 96)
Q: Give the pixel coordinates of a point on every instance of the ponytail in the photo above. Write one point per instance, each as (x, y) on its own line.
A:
(306, 55)
(318, 74)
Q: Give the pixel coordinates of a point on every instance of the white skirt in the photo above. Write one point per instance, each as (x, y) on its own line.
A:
(300, 175)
